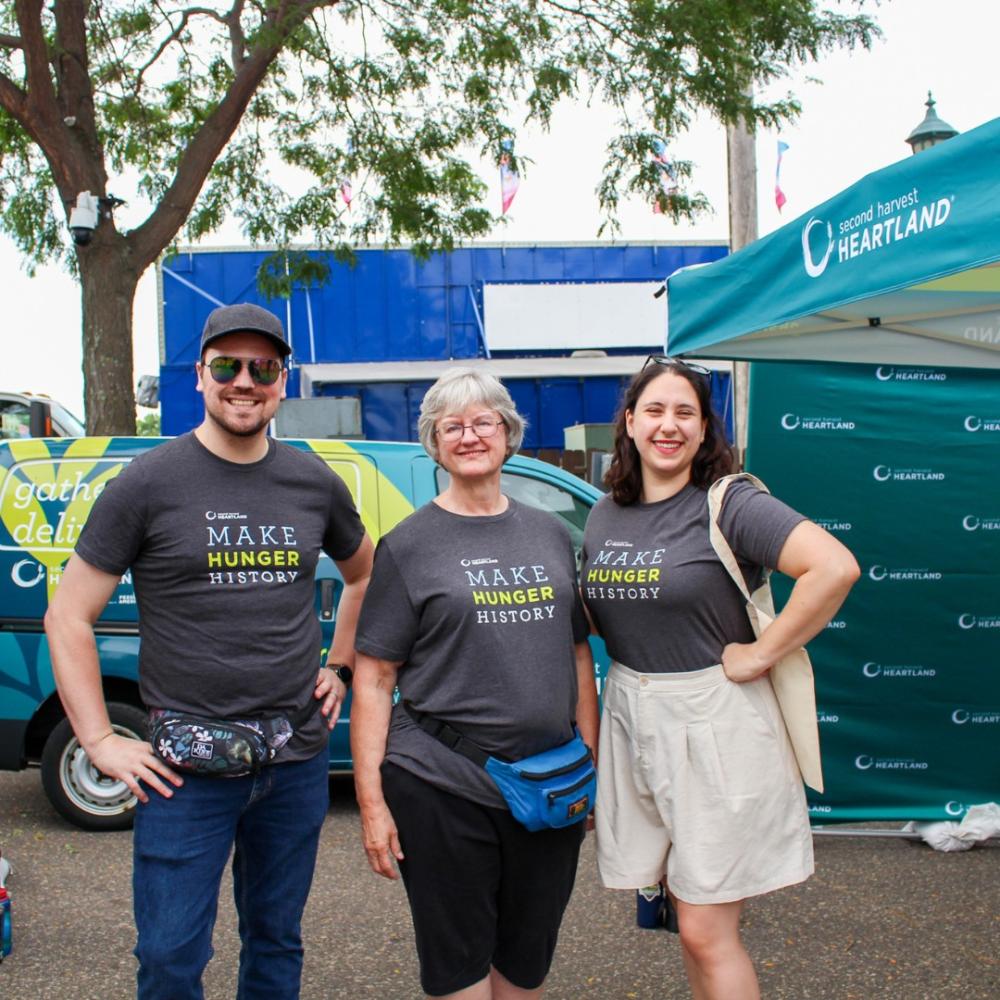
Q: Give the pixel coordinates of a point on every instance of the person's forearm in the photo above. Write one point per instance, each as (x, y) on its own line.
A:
(74, 607)
(814, 600)
(371, 710)
(348, 610)
(355, 572)
(587, 713)
(77, 672)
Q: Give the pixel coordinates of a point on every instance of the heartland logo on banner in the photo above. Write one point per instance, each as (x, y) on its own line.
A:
(886, 473)
(886, 373)
(872, 669)
(794, 422)
(833, 525)
(878, 226)
(974, 424)
(975, 717)
(865, 762)
(820, 810)
(837, 623)
(827, 718)
(972, 522)
(968, 621)
(879, 573)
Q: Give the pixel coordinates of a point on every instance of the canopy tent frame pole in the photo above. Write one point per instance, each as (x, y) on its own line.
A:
(901, 834)
(741, 156)
(821, 831)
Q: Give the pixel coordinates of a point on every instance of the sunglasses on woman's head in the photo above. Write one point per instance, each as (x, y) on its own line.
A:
(264, 371)
(668, 362)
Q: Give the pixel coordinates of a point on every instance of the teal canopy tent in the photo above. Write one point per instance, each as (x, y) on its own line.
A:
(895, 454)
(901, 268)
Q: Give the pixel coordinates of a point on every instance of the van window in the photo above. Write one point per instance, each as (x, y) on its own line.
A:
(571, 510)
(15, 419)
(66, 423)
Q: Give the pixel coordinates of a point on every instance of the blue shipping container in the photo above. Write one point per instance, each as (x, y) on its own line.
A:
(390, 308)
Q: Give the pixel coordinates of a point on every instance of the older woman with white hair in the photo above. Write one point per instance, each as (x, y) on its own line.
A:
(473, 613)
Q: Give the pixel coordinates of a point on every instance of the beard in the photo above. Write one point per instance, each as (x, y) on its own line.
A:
(219, 417)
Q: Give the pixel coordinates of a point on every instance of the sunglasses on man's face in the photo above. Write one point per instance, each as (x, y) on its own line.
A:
(264, 371)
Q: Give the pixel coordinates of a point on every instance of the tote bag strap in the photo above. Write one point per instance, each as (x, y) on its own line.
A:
(791, 677)
(716, 494)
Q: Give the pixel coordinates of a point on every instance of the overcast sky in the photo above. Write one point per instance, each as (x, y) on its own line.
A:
(858, 109)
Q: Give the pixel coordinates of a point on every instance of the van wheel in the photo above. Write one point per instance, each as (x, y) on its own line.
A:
(76, 789)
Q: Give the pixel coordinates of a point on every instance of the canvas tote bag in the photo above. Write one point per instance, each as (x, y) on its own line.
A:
(792, 676)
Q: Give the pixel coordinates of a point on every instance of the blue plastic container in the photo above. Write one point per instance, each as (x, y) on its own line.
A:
(6, 939)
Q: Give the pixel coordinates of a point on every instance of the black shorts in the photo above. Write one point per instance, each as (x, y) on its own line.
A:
(483, 891)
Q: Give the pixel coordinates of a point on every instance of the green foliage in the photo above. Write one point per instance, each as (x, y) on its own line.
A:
(148, 426)
(393, 95)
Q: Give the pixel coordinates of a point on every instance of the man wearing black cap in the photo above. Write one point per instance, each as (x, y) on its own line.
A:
(222, 528)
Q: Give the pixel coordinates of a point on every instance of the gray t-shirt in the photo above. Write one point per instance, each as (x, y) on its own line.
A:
(655, 588)
(223, 559)
(483, 613)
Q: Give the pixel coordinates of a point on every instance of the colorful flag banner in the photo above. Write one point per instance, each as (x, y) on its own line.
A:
(509, 179)
(346, 188)
(668, 178)
(779, 195)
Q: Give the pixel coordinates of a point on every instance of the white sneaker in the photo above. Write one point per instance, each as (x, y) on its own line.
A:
(5, 870)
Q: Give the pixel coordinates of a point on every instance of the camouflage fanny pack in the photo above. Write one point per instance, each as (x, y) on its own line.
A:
(221, 748)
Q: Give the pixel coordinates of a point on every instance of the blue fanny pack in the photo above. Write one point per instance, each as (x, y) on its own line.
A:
(552, 789)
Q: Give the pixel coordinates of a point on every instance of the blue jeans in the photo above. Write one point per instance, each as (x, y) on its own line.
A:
(180, 849)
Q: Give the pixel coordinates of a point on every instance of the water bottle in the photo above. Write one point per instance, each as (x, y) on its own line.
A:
(649, 906)
(653, 909)
(5, 933)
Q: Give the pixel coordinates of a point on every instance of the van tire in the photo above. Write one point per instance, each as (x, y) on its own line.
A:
(76, 789)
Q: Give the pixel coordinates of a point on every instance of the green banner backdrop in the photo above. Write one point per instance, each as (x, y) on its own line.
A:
(903, 466)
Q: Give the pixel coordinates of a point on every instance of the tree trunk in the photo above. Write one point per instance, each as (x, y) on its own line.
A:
(108, 289)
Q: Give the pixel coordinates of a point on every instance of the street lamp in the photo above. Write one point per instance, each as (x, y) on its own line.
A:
(930, 131)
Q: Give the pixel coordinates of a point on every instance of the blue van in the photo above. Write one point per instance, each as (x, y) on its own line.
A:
(47, 487)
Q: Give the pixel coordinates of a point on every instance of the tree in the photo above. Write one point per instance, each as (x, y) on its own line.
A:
(148, 425)
(193, 108)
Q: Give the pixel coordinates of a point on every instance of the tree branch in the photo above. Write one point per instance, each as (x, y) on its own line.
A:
(196, 161)
(236, 34)
(14, 101)
(81, 155)
(10, 42)
(41, 105)
(237, 40)
(585, 15)
(37, 108)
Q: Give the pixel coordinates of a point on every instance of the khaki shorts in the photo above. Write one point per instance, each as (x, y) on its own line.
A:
(697, 780)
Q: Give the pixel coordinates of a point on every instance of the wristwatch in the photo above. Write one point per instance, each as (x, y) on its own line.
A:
(343, 671)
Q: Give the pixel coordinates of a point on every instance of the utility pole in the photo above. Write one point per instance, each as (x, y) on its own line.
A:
(742, 160)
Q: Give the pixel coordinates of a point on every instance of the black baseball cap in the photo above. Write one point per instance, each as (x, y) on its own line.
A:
(244, 317)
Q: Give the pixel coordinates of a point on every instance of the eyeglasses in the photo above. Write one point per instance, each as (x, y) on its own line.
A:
(668, 362)
(482, 427)
(264, 371)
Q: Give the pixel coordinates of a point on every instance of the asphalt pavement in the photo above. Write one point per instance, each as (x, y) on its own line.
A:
(882, 918)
